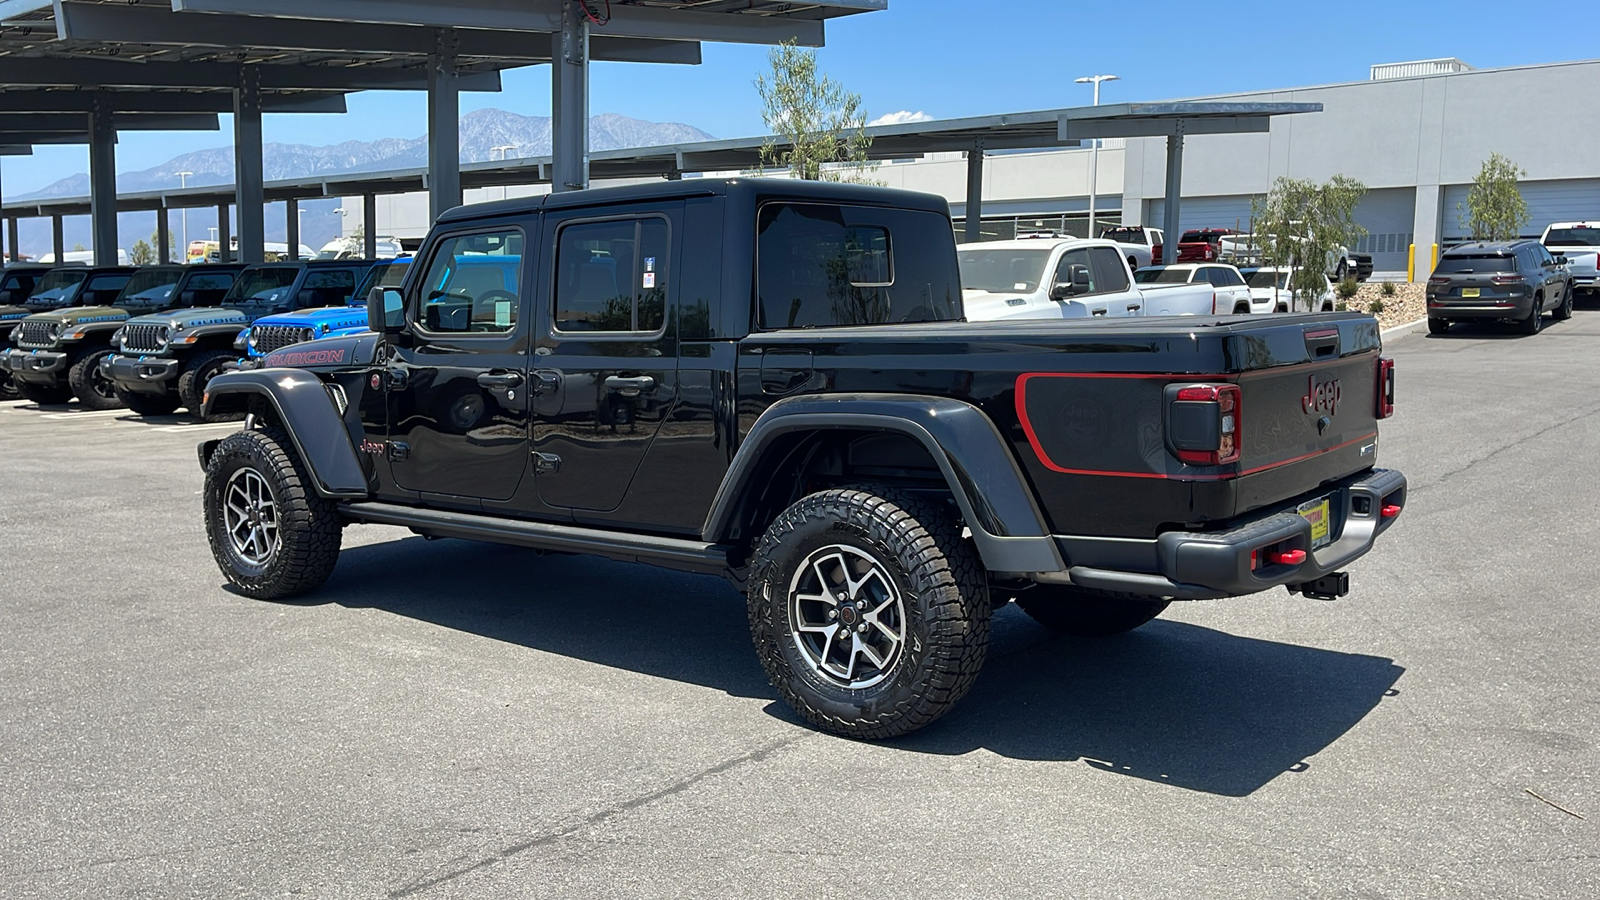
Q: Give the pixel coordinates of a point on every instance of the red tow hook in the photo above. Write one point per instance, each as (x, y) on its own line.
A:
(1286, 557)
(1391, 511)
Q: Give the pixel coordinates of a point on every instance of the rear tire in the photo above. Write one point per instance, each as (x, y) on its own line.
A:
(1086, 613)
(92, 388)
(896, 568)
(272, 534)
(197, 374)
(43, 394)
(1535, 319)
(1564, 311)
(164, 404)
(1438, 326)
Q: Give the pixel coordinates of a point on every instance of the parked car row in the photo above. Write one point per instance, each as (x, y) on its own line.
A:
(151, 338)
(1071, 278)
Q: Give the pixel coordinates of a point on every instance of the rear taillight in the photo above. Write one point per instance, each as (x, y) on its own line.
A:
(1205, 423)
(1385, 407)
(1506, 279)
(1439, 280)
(1214, 301)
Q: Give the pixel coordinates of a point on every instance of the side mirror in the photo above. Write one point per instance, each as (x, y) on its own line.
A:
(1560, 259)
(385, 311)
(1077, 283)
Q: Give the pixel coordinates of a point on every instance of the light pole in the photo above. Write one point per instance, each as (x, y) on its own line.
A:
(503, 149)
(1094, 153)
(183, 182)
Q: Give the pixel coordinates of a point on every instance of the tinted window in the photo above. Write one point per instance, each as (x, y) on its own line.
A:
(327, 287)
(612, 276)
(1002, 271)
(262, 286)
(1124, 235)
(103, 290)
(56, 287)
(473, 283)
(821, 265)
(150, 289)
(1159, 275)
(1266, 278)
(1110, 275)
(1585, 236)
(1482, 262)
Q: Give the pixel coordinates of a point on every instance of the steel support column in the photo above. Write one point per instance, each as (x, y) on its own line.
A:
(291, 212)
(444, 125)
(973, 232)
(58, 241)
(103, 182)
(369, 226)
(569, 84)
(224, 234)
(249, 191)
(11, 238)
(163, 237)
(1169, 217)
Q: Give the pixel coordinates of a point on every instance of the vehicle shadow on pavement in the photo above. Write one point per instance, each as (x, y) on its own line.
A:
(1173, 703)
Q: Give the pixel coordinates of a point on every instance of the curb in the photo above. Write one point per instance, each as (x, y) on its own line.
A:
(1403, 330)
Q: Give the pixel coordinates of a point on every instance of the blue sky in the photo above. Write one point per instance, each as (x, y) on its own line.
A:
(951, 58)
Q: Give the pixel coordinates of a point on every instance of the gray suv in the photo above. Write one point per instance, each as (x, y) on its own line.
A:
(1516, 281)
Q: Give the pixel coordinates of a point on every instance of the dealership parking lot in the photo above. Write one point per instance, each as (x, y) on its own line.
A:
(446, 719)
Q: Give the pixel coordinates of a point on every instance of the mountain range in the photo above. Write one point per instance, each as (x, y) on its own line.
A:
(482, 132)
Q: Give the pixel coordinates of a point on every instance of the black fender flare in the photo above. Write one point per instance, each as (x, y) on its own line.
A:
(977, 463)
(309, 416)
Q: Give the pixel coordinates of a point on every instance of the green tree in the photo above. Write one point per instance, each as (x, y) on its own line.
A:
(822, 124)
(1495, 210)
(142, 254)
(1302, 226)
(78, 248)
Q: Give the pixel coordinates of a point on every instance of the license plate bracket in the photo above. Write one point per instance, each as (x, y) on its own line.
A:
(1470, 292)
(1318, 513)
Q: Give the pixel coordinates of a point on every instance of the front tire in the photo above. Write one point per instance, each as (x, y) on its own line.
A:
(198, 373)
(869, 612)
(164, 404)
(92, 388)
(43, 394)
(1085, 613)
(272, 535)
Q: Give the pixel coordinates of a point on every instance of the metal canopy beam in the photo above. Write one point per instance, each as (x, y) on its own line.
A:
(75, 101)
(107, 23)
(15, 150)
(12, 8)
(569, 116)
(110, 73)
(532, 15)
(444, 126)
(1129, 128)
(247, 167)
(103, 185)
(71, 122)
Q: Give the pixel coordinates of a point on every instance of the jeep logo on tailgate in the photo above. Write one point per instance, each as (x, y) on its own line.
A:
(1321, 396)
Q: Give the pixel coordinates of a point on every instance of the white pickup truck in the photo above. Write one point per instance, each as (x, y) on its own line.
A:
(1579, 242)
(1072, 278)
(1137, 242)
(1246, 250)
(1229, 293)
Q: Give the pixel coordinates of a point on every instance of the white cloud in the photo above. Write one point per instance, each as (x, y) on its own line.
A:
(902, 117)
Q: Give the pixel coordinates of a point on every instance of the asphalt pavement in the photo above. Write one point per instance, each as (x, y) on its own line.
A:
(446, 719)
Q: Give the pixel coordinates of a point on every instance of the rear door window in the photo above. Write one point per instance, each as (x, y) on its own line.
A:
(824, 265)
(611, 275)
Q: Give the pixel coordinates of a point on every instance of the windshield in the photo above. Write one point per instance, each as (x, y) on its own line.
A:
(55, 288)
(1581, 236)
(1479, 263)
(261, 287)
(150, 287)
(1124, 235)
(1160, 275)
(1002, 271)
(1266, 278)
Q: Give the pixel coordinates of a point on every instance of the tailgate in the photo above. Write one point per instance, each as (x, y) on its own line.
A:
(1309, 407)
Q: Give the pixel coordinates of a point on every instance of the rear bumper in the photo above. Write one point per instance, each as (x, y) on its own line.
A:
(1205, 565)
(38, 366)
(1487, 308)
(131, 373)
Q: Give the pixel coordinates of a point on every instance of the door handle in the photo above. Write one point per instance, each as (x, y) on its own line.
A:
(499, 379)
(397, 378)
(546, 383)
(1133, 307)
(630, 382)
(1097, 312)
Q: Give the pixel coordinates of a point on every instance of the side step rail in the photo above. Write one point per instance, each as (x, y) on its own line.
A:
(672, 553)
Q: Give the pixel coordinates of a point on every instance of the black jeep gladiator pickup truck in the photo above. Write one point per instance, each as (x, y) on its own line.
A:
(772, 381)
